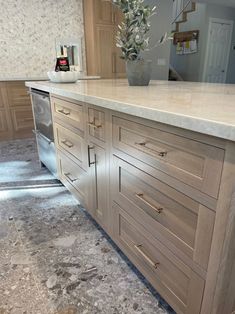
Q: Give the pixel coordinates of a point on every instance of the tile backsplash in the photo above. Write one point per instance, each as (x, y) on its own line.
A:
(29, 29)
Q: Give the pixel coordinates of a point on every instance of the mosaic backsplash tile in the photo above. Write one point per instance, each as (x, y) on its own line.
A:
(29, 29)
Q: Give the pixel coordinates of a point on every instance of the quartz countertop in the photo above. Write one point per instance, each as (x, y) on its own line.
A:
(42, 78)
(201, 107)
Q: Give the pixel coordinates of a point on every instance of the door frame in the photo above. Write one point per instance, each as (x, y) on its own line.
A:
(221, 21)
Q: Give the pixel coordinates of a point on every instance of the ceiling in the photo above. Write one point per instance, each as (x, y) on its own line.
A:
(229, 3)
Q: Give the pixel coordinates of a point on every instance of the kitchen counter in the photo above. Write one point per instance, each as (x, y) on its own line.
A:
(201, 107)
(42, 78)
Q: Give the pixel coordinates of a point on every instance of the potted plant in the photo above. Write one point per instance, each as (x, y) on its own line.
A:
(132, 38)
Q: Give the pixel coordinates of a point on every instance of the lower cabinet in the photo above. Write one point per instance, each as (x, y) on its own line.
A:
(174, 280)
(16, 116)
(161, 217)
(74, 178)
(98, 175)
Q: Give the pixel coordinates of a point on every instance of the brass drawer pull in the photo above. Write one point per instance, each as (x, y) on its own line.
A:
(93, 125)
(67, 113)
(153, 264)
(67, 143)
(68, 177)
(143, 144)
(141, 197)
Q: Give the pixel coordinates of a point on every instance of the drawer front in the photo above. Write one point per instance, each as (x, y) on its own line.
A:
(168, 214)
(175, 281)
(189, 161)
(22, 118)
(96, 123)
(73, 177)
(71, 113)
(3, 121)
(72, 144)
(17, 94)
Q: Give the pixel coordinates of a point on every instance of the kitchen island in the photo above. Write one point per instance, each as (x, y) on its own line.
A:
(155, 166)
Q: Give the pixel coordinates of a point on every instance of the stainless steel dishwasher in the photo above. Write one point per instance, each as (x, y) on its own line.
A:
(44, 129)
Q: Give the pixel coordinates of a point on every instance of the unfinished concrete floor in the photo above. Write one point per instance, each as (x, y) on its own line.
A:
(53, 256)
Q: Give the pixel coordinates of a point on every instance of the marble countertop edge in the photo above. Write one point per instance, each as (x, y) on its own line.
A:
(197, 124)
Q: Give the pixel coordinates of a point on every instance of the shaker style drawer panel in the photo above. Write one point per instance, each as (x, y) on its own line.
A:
(175, 281)
(3, 121)
(17, 94)
(73, 177)
(165, 212)
(71, 113)
(22, 118)
(96, 123)
(189, 161)
(72, 144)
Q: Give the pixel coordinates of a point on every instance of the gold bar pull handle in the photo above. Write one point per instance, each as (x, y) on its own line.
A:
(93, 125)
(67, 143)
(70, 179)
(138, 248)
(162, 154)
(63, 111)
(159, 153)
(155, 208)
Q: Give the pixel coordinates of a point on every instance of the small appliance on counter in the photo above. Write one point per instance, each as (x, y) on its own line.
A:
(44, 129)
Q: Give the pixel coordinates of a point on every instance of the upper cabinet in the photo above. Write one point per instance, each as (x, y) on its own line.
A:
(102, 56)
(104, 12)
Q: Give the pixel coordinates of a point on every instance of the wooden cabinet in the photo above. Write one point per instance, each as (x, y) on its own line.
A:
(98, 179)
(16, 117)
(162, 193)
(179, 285)
(103, 57)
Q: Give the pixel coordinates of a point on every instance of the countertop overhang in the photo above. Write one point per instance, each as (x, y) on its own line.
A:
(200, 107)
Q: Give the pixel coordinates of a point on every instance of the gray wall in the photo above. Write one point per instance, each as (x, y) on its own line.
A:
(188, 66)
(160, 23)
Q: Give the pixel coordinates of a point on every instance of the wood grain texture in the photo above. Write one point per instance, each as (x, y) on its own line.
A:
(222, 251)
(181, 287)
(125, 192)
(16, 117)
(102, 56)
(189, 161)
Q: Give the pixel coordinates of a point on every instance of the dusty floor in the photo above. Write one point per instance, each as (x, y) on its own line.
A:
(53, 257)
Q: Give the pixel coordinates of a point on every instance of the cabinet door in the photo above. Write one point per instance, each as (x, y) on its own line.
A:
(106, 51)
(17, 94)
(98, 178)
(104, 13)
(120, 64)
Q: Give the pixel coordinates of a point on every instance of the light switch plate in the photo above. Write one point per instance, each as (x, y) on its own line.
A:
(161, 62)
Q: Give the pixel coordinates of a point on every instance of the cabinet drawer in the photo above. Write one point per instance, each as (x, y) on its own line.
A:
(72, 144)
(17, 94)
(176, 282)
(96, 123)
(73, 177)
(22, 118)
(3, 121)
(179, 221)
(71, 113)
(187, 160)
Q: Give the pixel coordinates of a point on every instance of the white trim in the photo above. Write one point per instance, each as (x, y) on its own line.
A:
(221, 21)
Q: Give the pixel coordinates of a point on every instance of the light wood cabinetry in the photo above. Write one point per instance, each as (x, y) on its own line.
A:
(163, 194)
(16, 117)
(102, 56)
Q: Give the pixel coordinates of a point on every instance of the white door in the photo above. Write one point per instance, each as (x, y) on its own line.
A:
(218, 50)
